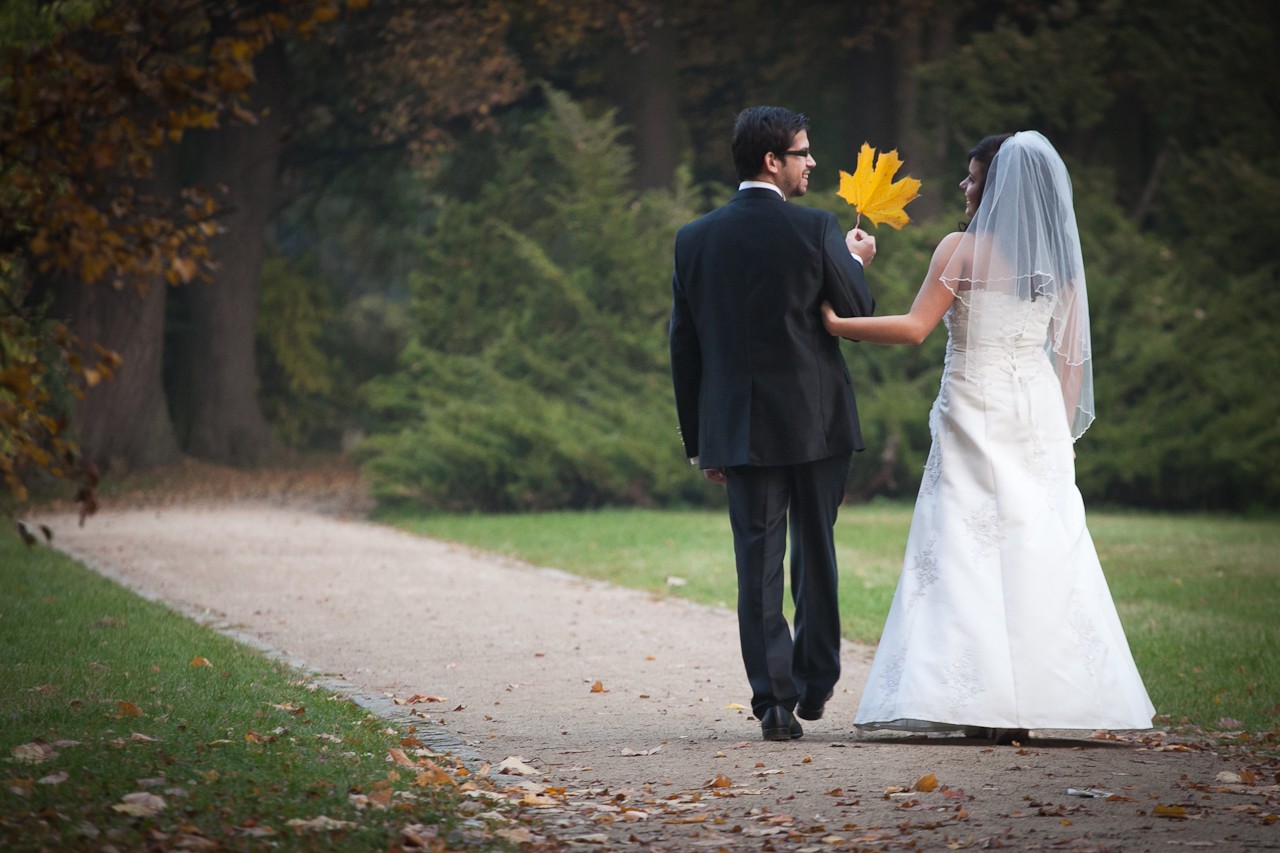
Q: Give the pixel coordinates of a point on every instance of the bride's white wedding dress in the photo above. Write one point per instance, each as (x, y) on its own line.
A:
(1002, 617)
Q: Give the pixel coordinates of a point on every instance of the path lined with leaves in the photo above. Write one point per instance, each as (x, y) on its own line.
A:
(617, 718)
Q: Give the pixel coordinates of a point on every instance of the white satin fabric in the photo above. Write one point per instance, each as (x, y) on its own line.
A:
(1002, 616)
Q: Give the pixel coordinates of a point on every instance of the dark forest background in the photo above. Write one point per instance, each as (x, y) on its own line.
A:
(437, 235)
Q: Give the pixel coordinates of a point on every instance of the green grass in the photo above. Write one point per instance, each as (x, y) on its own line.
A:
(1198, 595)
(109, 688)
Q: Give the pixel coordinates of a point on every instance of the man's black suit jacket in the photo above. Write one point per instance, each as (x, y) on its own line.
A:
(758, 380)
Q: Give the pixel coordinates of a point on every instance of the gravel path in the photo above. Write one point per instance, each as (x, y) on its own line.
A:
(628, 708)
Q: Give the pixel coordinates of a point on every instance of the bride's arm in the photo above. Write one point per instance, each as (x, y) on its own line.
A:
(926, 312)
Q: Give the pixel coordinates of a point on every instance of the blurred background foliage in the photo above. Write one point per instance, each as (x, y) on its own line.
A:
(534, 370)
(466, 274)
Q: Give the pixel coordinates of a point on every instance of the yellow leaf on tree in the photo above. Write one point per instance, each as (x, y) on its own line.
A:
(872, 190)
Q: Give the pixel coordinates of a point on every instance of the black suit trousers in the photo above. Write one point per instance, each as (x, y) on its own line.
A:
(763, 502)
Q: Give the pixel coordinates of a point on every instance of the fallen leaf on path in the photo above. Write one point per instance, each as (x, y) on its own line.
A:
(431, 774)
(631, 752)
(399, 757)
(517, 836)
(926, 783)
(1170, 811)
(323, 823)
(418, 835)
(32, 753)
(140, 804)
(598, 687)
(721, 781)
(515, 765)
(538, 800)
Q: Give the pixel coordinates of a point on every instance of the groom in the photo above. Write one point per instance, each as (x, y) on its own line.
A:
(765, 402)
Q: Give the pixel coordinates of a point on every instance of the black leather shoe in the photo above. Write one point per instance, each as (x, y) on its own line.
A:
(779, 724)
(813, 712)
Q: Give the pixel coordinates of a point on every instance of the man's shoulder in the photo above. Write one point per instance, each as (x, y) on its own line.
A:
(706, 220)
(810, 214)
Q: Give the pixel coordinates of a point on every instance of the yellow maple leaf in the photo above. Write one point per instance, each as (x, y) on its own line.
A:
(926, 783)
(872, 190)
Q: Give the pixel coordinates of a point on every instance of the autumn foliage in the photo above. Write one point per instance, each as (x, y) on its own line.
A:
(86, 119)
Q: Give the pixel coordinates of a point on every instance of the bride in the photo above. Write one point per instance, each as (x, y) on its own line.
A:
(1002, 621)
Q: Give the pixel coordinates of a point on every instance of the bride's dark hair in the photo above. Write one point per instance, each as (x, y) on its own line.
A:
(984, 152)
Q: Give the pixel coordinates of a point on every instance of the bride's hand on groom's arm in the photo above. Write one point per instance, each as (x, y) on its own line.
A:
(831, 320)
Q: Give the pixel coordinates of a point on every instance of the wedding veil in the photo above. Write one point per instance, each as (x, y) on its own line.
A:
(1023, 242)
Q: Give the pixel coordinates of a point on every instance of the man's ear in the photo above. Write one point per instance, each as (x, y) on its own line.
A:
(772, 164)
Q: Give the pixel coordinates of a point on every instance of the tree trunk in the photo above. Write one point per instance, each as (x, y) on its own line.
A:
(870, 93)
(122, 424)
(645, 87)
(218, 413)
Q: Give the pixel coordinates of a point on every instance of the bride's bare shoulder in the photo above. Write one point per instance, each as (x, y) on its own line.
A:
(951, 247)
(949, 244)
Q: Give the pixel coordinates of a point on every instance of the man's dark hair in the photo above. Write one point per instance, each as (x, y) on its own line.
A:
(759, 130)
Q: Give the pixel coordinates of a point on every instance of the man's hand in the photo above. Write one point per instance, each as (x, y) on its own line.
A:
(715, 475)
(861, 244)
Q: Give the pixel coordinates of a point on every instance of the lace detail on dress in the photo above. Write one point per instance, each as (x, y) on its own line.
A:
(962, 682)
(983, 365)
(892, 675)
(986, 536)
(1040, 464)
(932, 469)
(925, 570)
(1086, 634)
(933, 465)
(1042, 467)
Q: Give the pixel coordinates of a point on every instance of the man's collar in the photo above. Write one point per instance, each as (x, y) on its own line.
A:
(760, 185)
